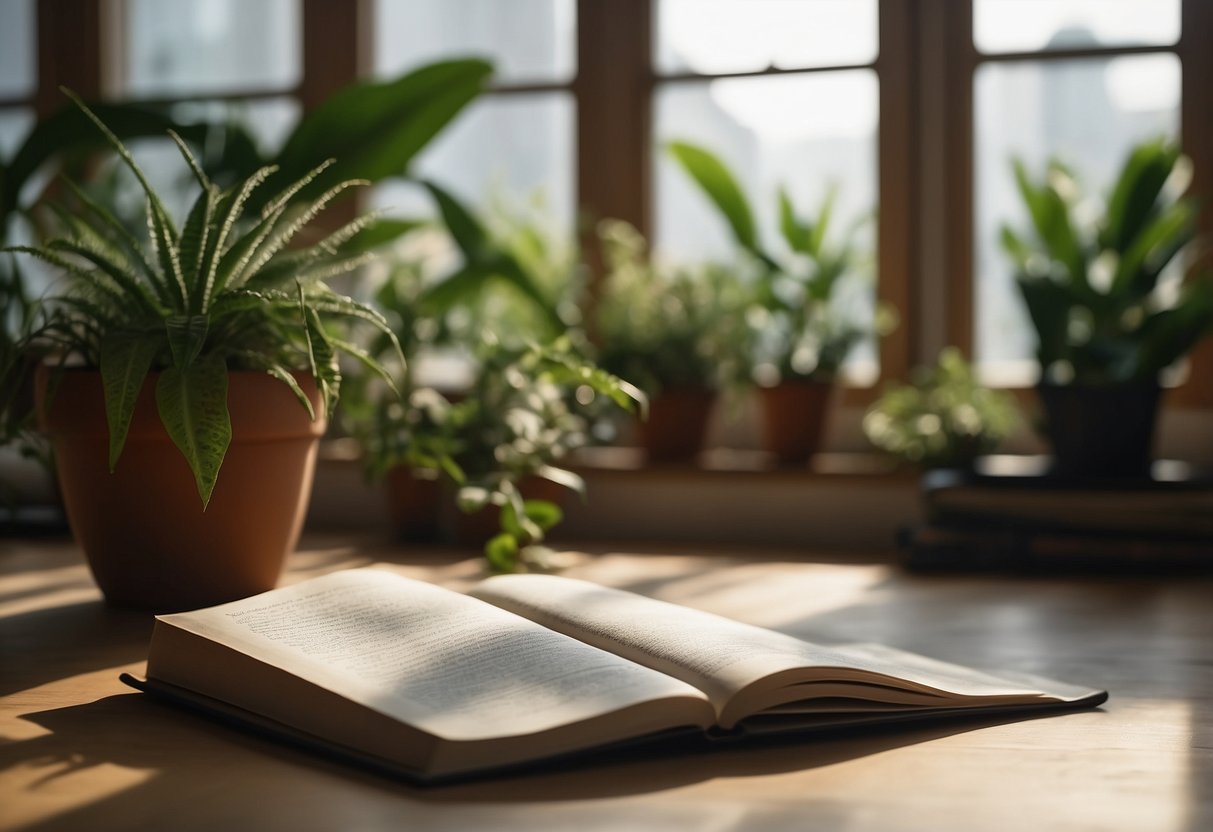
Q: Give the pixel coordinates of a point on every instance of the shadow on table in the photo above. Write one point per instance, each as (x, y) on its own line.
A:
(93, 634)
(232, 774)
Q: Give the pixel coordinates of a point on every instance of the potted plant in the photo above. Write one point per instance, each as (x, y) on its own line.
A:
(209, 350)
(500, 443)
(508, 305)
(1108, 319)
(804, 328)
(678, 332)
(943, 419)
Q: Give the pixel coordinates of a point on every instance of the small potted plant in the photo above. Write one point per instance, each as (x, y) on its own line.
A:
(803, 318)
(193, 378)
(943, 419)
(677, 331)
(1109, 318)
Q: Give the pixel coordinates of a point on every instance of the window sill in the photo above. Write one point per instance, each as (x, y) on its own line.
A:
(845, 502)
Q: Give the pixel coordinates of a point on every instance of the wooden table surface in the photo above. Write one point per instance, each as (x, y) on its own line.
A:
(80, 751)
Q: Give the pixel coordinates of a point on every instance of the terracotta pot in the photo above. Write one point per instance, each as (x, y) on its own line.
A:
(1101, 431)
(794, 418)
(143, 529)
(414, 504)
(677, 425)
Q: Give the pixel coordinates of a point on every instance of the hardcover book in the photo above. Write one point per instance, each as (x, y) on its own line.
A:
(433, 684)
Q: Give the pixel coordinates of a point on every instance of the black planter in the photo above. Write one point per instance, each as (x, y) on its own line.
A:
(1105, 431)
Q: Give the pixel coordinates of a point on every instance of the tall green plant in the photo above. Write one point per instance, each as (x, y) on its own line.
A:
(216, 293)
(801, 329)
(1095, 290)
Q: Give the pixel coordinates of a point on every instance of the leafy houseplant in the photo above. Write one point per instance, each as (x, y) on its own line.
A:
(803, 330)
(943, 419)
(216, 339)
(1108, 321)
(678, 332)
(500, 441)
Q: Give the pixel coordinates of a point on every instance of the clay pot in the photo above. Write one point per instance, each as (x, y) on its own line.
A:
(143, 529)
(677, 424)
(414, 504)
(794, 418)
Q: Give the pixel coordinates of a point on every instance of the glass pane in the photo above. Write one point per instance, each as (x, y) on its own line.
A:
(501, 150)
(1086, 113)
(17, 48)
(14, 125)
(804, 132)
(720, 36)
(268, 120)
(527, 40)
(1030, 25)
(198, 46)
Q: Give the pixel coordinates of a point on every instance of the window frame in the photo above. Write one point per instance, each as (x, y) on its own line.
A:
(948, 33)
(925, 69)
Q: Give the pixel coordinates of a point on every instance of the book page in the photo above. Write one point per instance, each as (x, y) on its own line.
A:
(440, 661)
(741, 667)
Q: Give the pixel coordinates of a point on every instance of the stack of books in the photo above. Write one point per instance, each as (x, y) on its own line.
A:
(1020, 517)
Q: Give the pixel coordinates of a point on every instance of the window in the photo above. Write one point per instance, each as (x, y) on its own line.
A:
(518, 141)
(214, 60)
(914, 108)
(1050, 83)
(786, 94)
(18, 72)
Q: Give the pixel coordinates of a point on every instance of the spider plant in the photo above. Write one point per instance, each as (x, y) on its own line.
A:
(221, 292)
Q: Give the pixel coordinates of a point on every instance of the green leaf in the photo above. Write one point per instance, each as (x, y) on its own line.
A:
(131, 246)
(544, 513)
(1049, 305)
(367, 360)
(375, 128)
(163, 232)
(188, 155)
(125, 361)
(1136, 192)
(502, 552)
(1152, 248)
(1050, 215)
(137, 295)
(796, 234)
(186, 335)
(824, 213)
(467, 231)
(320, 354)
(710, 173)
(1168, 335)
(286, 377)
(514, 520)
(284, 233)
(199, 225)
(230, 210)
(193, 407)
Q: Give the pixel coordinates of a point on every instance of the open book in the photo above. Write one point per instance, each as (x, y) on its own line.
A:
(434, 684)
